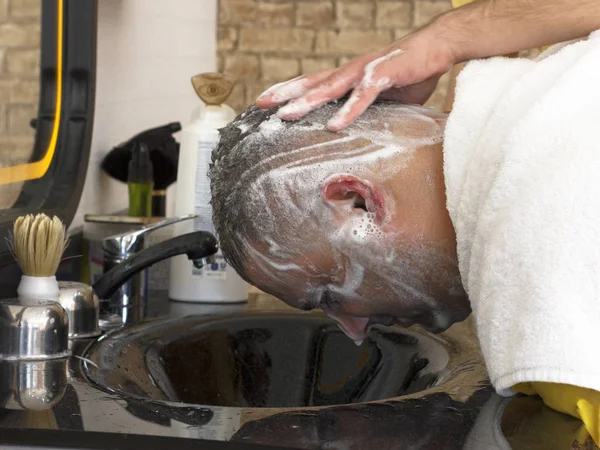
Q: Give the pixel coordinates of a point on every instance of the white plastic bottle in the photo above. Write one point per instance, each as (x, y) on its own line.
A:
(218, 283)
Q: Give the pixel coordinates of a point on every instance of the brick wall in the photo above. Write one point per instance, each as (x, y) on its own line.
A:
(19, 85)
(263, 42)
(19, 77)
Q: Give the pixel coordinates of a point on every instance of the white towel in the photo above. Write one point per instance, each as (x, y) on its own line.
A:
(522, 167)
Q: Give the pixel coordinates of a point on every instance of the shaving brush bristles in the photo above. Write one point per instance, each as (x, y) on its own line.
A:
(38, 243)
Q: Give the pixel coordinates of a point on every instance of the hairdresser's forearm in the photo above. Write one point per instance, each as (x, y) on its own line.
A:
(498, 27)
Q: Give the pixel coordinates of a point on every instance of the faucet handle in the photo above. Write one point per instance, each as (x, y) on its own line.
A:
(132, 241)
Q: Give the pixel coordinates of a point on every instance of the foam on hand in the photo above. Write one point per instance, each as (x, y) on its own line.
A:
(367, 82)
(282, 92)
(369, 79)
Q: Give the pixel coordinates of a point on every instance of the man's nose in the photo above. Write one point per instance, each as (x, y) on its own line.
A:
(354, 327)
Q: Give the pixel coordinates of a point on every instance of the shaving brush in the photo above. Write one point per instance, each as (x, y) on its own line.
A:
(37, 244)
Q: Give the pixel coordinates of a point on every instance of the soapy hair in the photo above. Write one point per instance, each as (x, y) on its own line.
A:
(266, 174)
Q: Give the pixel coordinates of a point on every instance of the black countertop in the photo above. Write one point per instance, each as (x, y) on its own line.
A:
(461, 411)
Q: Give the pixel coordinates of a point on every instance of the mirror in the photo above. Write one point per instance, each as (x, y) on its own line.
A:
(47, 68)
(20, 50)
(47, 86)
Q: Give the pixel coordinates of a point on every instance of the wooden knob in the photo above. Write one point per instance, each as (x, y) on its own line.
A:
(213, 88)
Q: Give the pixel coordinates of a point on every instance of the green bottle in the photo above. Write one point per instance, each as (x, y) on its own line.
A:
(140, 181)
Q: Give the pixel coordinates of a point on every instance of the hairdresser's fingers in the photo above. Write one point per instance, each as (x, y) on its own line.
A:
(362, 97)
(304, 85)
(331, 89)
(411, 75)
(379, 76)
(282, 92)
(335, 86)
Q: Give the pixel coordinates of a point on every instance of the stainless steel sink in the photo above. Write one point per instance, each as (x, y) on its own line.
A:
(263, 360)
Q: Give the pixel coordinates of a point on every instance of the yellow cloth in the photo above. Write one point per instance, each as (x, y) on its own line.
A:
(582, 403)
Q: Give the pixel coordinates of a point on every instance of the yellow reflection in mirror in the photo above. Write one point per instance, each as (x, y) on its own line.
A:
(35, 170)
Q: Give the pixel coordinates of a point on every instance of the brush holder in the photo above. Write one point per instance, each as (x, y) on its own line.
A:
(82, 307)
(33, 332)
(35, 290)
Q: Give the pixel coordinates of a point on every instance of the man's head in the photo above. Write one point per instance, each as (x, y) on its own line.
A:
(352, 222)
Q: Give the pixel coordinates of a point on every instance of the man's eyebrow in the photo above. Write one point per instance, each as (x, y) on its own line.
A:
(312, 300)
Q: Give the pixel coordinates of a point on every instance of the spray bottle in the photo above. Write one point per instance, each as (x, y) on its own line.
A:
(217, 283)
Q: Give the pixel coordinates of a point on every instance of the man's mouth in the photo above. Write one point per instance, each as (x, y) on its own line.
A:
(358, 328)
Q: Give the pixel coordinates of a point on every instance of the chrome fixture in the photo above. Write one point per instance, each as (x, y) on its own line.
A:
(123, 289)
(82, 307)
(32, 385)
(134, 292)
(33, 332)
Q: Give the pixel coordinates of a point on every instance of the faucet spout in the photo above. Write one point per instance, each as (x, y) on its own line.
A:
(199, 246)
(199, 263)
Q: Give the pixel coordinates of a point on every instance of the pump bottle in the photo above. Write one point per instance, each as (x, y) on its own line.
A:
(217, 283)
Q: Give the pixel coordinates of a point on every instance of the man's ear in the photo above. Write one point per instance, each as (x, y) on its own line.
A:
(346, 192)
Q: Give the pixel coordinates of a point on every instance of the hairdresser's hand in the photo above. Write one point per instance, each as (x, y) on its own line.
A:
(407, 71)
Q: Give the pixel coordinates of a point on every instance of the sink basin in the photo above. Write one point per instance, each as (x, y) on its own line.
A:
(263, 360)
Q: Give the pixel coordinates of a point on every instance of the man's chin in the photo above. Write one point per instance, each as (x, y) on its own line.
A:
(436, 329)
(434, 323)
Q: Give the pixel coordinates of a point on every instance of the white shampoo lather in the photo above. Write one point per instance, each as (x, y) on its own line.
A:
(217, 283)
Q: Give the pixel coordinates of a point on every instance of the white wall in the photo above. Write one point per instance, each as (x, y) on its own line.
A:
(147, 52)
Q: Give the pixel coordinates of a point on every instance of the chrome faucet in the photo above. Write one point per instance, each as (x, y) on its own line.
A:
(123, 289)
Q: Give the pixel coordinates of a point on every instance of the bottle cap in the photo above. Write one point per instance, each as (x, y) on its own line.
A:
(213, 88)
(140, 166)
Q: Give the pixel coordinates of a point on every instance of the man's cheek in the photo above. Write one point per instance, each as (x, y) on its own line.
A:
(283, 294)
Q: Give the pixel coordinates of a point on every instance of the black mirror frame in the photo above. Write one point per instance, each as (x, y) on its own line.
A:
(58, 192)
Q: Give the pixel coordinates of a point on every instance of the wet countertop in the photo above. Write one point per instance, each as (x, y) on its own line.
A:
(55, 401)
